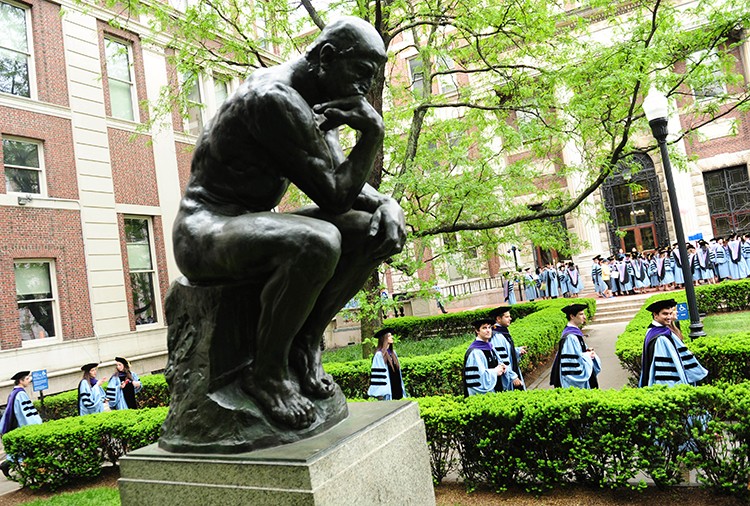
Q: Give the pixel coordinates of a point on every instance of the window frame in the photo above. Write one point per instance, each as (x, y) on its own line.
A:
(41, 169)
(153, 271)
(200, 105)
(415, 62)
(30, 61)
(134, 109)
(705, 55)
(54, 300)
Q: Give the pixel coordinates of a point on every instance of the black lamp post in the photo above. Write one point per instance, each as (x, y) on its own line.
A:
(655, 106)
(514, 249)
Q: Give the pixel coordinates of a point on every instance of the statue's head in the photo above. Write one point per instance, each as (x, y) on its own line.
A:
(347, 54)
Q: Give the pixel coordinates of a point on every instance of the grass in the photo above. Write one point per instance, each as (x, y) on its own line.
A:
(100, 496)
(403, 348)
(718, 325)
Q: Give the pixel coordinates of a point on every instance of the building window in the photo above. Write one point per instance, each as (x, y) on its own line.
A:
(141, 267)
(448, 83)
(36, 299)
(709, 74)
(15, 52)
(728, 194)
(194, 104)
(119, 58)
(23, 167)
(221, 89)
(416, 75)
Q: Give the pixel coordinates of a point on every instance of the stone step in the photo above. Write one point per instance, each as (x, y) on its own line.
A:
(611, 319)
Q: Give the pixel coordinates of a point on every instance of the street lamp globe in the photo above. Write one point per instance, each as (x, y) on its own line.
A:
(655, 105)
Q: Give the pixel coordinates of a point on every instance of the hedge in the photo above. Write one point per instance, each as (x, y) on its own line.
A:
(536, 440)
(438, 374)
(726, 358)
(546, 438)
(62, 451)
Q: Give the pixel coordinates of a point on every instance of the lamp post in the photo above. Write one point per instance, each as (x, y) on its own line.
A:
(655, 106)
(514, 249)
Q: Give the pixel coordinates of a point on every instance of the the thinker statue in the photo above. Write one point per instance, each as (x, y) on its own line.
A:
(281, 126)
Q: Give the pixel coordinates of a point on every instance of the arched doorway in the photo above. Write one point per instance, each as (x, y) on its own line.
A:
(632, 198)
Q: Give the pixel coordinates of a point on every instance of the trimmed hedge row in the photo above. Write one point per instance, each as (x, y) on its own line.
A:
(546, 438)
(726, 358)
(537, 440)
(416, 328)
(438, 374)
(62, 451)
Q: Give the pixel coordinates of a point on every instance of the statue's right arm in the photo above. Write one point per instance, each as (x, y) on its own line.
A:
(286, 126)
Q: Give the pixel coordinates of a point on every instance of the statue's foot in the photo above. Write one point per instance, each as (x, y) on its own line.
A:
(281, 401)
(314, 381)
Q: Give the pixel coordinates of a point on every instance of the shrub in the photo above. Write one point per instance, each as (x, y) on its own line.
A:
(61, 451)
(546, 438)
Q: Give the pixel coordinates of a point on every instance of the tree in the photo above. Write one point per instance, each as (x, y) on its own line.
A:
(560, 89)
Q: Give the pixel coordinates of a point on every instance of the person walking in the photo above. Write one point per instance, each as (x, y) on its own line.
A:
(20, 411)
(506, 350)
(122, 386)
(482, 366)
(665, 359)
(91, 397)
(576, 365)
(386, 381)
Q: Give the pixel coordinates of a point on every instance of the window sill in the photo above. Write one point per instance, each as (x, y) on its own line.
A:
(35, 343)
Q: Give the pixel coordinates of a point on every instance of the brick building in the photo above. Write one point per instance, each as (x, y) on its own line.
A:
(89, 199)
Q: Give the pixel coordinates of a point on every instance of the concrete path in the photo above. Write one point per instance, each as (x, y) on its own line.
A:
(601, 337)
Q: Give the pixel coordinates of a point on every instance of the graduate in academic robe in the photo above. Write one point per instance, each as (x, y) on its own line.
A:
(19, 412)
(703, 264)
(553, 284)
(91, 396)
(626, 275)
(562, 278)
(640, 274)
(529, 285)
(575, 281)
(122, 386)
(542, 282)
(737, 267)
(506, 350)
(722, 257)
(652, 270)
(679, 277)
(386, 380)
(509, 288)
(745, 248)
(482, 367)
(666, 360)
(576, 365)
(596, 277)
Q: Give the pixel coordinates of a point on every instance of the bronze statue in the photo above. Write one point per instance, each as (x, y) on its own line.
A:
(281, 126)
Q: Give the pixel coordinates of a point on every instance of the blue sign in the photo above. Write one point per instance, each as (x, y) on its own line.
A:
(39, 378)
(696, 237)
(682, 311)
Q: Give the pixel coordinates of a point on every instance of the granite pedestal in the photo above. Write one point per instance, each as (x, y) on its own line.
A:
(378, 455)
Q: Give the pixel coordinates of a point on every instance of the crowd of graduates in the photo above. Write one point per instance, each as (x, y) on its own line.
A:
(120, 394)
(492, 360)
(638, 272)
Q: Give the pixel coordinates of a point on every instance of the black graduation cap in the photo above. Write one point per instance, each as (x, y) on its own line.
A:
(597, 257)
(702, 243)
(657, 306)
(89, 366)
(477, 324)
(573, 309)
(717, 239)
(122, 361)
(527, 269)
(382, 332)
(20, 375)
(498, 311)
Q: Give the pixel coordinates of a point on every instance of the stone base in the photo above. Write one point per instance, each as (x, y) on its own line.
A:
(378, 455)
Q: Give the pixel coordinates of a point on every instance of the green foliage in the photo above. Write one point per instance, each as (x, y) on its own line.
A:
(99, 496)
(62, 451)
(547, 438)
(725, 357)
(403, 348)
